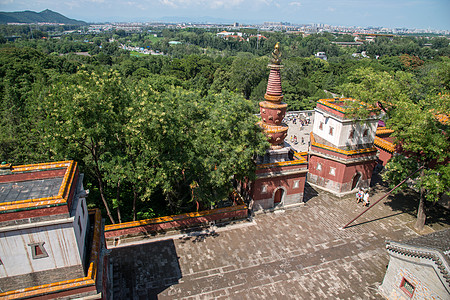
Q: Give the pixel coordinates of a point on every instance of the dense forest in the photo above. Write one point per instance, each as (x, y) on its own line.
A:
(165, 134)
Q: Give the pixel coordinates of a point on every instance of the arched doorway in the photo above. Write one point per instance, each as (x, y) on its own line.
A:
(356, 179)
(278, 196)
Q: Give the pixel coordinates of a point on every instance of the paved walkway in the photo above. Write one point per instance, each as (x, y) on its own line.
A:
(299, 131)
(294, 254)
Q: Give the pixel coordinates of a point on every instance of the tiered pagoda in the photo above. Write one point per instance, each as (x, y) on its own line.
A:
(281, 172)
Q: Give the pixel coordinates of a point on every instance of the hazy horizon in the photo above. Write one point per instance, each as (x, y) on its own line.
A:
(432, 14)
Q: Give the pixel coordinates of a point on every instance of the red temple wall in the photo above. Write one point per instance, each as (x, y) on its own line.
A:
(272, 183)
(330, 110)
(179, 221)
(343, 173)
(384, 156)
(25, 214)
(33, 175)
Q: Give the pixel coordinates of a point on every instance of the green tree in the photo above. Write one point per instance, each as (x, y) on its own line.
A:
(422, 139)
(83, 117)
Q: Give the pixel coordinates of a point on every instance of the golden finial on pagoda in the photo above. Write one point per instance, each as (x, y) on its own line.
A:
(276, 54)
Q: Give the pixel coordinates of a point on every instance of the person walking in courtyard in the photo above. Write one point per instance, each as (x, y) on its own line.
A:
(366, 198)
(359, 195)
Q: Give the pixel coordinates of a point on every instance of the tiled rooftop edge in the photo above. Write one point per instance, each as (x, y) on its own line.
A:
(386, 145)
(173, 218)
(334, 149)
(42, 166)
(298, 161)
(330, 104)
(384, 130)
(61, 198)
(71, 284)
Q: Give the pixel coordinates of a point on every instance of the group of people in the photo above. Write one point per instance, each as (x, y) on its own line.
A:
(295, 119)
(295, 140)
(363, 196)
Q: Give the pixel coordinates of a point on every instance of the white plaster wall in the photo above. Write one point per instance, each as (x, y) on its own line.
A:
(79, 211)
(341, 130)
(417, 271)
(358, 137)
(80, 234)
(60, 244)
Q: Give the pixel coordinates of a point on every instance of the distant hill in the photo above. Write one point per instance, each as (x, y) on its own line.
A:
(45, 16)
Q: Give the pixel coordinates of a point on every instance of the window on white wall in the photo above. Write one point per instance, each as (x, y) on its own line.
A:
(366, 132)
(38, 250)
(407, 287)
(352, 133)
(331, 130)
(332, 171)
(319, 167)
(321, 125)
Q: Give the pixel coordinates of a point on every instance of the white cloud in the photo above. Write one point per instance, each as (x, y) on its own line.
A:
(331, 9)
(169, 3)
(298, 4)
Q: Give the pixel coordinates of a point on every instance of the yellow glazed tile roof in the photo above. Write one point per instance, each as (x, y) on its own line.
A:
(345, 152)
(384, 130)
(386, 145)
(64, 190)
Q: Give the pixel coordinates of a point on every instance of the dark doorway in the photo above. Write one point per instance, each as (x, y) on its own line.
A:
(356, 179)
(278, 196)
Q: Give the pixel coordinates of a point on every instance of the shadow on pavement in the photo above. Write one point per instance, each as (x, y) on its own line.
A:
(309, 193)
(407, 201)
(144, 271)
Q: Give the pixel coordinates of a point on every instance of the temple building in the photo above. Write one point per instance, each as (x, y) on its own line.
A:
(342, 154)
(418, 268)
(51, 246)
(281, 172)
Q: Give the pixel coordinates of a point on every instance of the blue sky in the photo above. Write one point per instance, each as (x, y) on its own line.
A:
(424, 14)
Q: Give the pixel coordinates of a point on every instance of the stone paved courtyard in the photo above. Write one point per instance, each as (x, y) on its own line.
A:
(299, 253)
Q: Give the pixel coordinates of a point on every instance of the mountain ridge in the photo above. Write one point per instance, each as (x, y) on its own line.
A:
(29, 17)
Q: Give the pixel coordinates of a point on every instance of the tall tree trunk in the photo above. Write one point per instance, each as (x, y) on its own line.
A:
(421, 215)
(100, 182)
(118, 201)
(134, 202)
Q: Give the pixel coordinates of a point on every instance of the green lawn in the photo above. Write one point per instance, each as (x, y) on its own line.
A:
(135, 53)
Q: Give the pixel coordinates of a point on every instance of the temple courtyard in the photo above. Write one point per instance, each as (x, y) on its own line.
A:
(298, 253)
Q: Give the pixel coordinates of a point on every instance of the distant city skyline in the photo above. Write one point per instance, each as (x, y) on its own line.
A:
(421, 14)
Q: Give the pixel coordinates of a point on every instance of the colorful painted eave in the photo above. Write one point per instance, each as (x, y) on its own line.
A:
(58, 200)
(337, 150)
(383, 144)
(60, 286)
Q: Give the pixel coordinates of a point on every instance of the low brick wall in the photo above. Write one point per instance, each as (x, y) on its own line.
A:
(143, 228)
